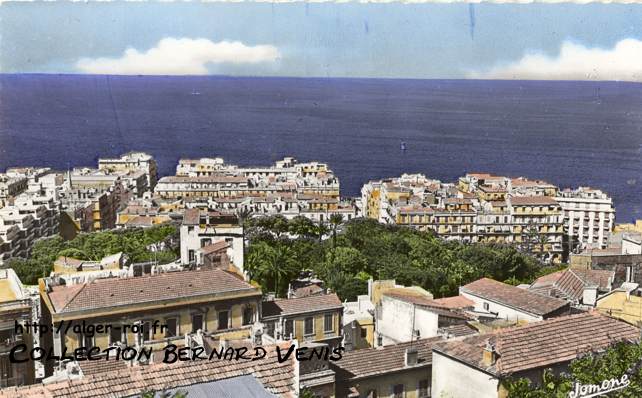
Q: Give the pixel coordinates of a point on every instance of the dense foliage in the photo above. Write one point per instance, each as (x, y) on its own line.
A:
(280, 250)
(94, 246)
(620, 359)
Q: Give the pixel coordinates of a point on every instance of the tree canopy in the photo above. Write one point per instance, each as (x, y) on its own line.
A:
(135, 243)
(280, 250)
(620, 359)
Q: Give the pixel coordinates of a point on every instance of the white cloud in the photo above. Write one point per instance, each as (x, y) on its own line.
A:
(184, 56)
(575, 62)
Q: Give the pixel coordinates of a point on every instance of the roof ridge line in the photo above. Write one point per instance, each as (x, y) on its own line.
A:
(74, 297)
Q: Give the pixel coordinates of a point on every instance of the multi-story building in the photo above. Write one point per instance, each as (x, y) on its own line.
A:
(207, 236)
(538, 226)
(400, 370)
(131, 163)
(212, 302)
(288, 188)
(20, 231)
(16, 307)
(589, 216)
(11, 186)
(307, 319)
(531, 214)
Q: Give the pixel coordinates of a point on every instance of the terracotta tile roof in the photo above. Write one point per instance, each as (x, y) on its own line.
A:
(460, 330)
(570, 283)
(541, 344)
(215, 247)
(94, 367)
(455, 302)
(192, 217)
(514, 297)
(532, 200)
(301, 305)
(277, 378)
(370, 362)
(307, 291)
(113, 292)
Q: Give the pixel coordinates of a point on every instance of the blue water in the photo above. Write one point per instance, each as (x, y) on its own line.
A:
(569, 133)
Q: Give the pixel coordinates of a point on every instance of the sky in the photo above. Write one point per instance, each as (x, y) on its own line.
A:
(391, 40)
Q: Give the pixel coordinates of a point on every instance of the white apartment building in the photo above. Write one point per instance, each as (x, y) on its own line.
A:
(132, 162)
(204, 232)
(589, 216)
(11, 186)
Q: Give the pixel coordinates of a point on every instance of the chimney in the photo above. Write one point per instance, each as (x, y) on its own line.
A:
(411, 356)
(489, 356)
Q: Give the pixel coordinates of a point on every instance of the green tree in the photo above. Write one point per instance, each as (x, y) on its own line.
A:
(621, 358)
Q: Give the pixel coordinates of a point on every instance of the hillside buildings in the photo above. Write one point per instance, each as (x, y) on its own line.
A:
(531, 214)
(132, 163)
(288, 188)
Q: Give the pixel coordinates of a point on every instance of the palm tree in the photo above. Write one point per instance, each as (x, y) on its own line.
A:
(335, 221)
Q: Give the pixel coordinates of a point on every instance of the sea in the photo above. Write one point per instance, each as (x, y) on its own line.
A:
(566, 132)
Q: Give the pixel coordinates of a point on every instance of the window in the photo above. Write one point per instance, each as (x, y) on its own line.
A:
(248, 315)
(327, 323)
(223, 320)
(289, 328)
(146, 331)
(397, 391)
(269, 329)
(486, 306)
(172, 327)
(192, 256)
(115, 335)
(424, 388)
(87, 341)
(308, 326)
(364, 333)
(205, 242)
(197, 322)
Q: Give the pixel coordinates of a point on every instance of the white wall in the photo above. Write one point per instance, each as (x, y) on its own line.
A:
(191, 240)
(503, 312)
(452, 379)
(396, 323)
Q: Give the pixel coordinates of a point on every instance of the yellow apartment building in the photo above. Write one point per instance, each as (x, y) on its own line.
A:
(149, 311)
(314, 318)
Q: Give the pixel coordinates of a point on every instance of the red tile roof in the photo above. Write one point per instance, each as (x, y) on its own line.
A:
(570, 283)
(514, 297)
(278, 378)
(301, 305)
(114, 292)
(541, 344)
(455, 302)
(215, 247)
(371, 362)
